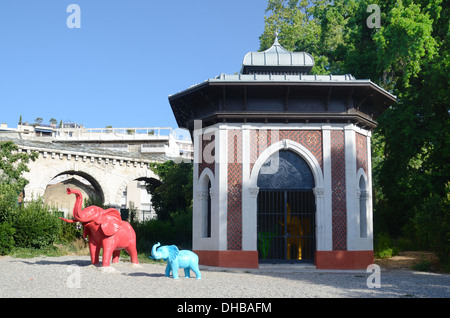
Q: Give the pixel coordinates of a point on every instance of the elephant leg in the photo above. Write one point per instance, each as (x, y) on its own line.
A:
(116, 256)
(168, 269)
(131, 250)
(175, 270)
(107, 254)
(196, 271)
(198, 275)
(94, 250)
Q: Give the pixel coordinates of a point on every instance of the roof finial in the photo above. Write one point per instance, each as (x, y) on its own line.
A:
(276, 38)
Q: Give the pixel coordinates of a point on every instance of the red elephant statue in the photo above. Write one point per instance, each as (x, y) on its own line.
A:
(106, 230)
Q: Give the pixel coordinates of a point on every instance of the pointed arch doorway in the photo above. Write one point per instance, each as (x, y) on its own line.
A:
(286, 209)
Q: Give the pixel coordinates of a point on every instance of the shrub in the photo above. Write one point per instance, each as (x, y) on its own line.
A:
(424, 265)
(384, 247)
(36, 224)
(8, 201)
(182, 227)
(6, 238)
(70, 232)
(175, 231)
(152, 231)
(433, 225)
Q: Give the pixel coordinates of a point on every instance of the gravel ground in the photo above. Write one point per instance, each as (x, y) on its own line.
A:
(73, 276)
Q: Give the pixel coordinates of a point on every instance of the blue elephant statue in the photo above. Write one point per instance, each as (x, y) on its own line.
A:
(177, 259)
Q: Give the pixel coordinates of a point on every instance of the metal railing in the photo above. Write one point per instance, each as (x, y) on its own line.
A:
(139, 216)
(148, 133)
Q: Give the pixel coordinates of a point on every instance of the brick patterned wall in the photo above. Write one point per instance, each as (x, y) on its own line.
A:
(338, 186)
(361, 152)
(261, 139)
(312, 140)
(203, 164)
(234, 215)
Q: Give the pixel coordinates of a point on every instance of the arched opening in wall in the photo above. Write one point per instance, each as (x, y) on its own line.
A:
(286, 209)
(362, 207)
(206, 210)
(137, 200)
(203, 216)
(56, 191)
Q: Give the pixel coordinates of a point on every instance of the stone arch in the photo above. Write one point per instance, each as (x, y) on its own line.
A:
(39, 182)
(296, 148)
(361, 174)
(56, 195)
(206, 175)
(95, 184)
(142, 174)
(76, 169)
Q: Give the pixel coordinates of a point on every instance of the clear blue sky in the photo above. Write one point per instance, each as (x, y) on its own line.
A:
(122, 64)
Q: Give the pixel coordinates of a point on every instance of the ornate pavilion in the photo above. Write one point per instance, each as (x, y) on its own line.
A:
(282, 163)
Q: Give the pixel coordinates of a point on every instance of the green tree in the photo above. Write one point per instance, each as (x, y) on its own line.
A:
(12, 165)
(173, 192)
(297, 29)
(53, 121)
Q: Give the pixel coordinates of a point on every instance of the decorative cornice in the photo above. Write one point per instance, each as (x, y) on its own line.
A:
(202, 195)
(254, 192)
(363, 195)
(213, 194)
(319, 192)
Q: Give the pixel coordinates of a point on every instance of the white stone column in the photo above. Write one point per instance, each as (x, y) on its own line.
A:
(325, 232)
(197, 202)
(222, 182)
(369, 244)
(249, 226)
(351, 187)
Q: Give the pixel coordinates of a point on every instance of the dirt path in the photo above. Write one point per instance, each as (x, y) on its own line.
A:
(405, 260)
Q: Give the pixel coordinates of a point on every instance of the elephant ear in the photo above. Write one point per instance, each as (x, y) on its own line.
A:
(111, 221)
(173, 252)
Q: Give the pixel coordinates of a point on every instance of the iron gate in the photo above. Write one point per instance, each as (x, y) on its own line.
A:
(286, 225)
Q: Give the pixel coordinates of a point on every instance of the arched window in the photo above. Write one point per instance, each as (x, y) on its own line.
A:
(203, 205)
(362, 207)
(208, 212)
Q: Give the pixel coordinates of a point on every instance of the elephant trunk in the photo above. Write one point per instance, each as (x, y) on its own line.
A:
(155, 253)
(68, 221)
(77, 206)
